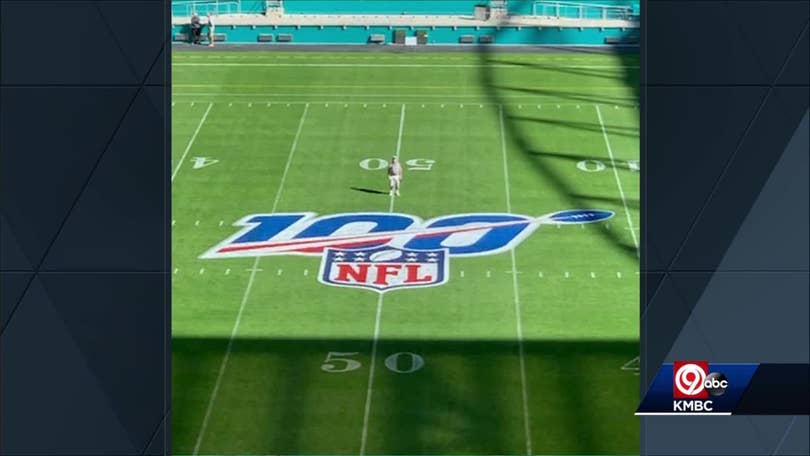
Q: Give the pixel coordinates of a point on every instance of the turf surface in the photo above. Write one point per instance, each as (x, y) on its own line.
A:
(528, 351)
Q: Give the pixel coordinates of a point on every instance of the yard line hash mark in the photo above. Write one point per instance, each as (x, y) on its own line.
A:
(618, 181)
(518, 319)
(246, 294)
(191, 141)
(372, 364)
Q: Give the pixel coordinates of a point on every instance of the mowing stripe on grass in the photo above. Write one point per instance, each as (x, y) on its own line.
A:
(369, 86)
(449, 96)
(191, 141)
(373, 103)
(525, 394)
(246, 294)
(401, 65)
(370, 387)
(618, 181)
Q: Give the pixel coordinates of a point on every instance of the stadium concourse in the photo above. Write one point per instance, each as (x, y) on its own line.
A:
(492, 308)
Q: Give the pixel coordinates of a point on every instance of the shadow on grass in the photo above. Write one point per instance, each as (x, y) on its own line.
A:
(368, 190)
(538, 156)
(621, 164)
(632, 203)
(275, 397)
(615, 130)
(602, 73)
(582, 97)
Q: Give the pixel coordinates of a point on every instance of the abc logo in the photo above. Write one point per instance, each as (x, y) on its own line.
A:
(692, 380)
(715, 384)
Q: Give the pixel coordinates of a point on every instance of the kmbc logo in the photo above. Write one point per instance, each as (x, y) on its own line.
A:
(692, 380)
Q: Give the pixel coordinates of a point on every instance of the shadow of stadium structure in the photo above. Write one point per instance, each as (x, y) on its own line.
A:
(536, 154)
(581, 400)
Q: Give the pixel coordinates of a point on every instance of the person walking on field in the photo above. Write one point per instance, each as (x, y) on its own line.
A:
(210, 31)
(394, 176)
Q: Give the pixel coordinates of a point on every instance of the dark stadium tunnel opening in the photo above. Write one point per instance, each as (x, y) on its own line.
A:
(465, 397)
(537, 155)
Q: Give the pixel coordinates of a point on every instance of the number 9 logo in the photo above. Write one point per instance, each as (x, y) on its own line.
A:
(689, 379)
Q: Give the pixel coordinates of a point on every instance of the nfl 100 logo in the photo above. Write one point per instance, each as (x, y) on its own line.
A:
(384, 268)
(387, 251)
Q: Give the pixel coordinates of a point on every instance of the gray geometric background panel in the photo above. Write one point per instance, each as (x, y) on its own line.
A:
(84, 243)
(725, 223)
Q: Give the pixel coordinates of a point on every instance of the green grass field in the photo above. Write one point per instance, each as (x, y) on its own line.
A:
(529, 351)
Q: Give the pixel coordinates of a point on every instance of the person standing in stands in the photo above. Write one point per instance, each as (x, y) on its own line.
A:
(195, 28)
(210, 30)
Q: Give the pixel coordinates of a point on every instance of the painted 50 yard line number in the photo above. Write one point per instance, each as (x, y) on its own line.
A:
(401, 363)
(414, 164)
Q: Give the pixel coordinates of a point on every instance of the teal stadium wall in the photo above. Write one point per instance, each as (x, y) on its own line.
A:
(438, 35)
(430, 7)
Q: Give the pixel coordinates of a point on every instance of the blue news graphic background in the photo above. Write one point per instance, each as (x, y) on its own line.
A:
(659, 397)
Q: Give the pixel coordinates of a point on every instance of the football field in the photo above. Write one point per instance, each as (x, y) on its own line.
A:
(526, 344)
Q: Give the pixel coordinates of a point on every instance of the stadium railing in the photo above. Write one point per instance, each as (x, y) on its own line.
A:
(187, 8)
(572, 10)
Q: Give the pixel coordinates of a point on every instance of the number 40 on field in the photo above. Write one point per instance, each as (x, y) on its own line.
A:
(594, 166)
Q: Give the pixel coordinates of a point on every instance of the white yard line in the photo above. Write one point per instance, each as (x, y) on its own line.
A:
(519, 323)
(246, 294)
(370, 386)
(399, 146)
(398, 65)
(618, 181)
(683, 413)
(191, 141)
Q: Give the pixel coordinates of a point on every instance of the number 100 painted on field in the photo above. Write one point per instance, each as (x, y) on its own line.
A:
(305, 233)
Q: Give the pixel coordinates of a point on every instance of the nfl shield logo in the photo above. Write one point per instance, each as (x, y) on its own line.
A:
(384, 268)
